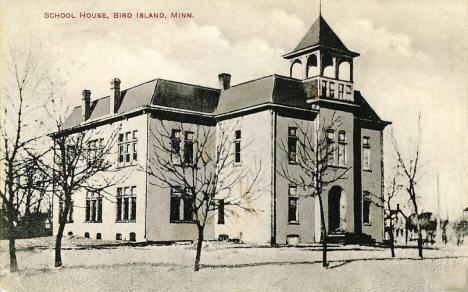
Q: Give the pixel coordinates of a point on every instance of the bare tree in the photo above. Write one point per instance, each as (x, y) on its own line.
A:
(410, 169)
(197, 161)
(314, 151)
(392, 190)
(24, 75)
(77, 161)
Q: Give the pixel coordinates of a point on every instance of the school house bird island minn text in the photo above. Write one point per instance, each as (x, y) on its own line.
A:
(118, 15)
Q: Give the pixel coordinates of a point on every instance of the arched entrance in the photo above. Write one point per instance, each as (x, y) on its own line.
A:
(336, 209)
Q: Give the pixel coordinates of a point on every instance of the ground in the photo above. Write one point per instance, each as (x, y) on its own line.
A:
(229, 267)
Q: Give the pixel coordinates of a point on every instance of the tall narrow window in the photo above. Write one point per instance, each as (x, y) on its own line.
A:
(93, 207)
(324, 88)
(126, 204)
(70, 212)
(292, 205)
(176, 195)
(330, 152)
(366, 208)
(175, 146)
(237, 147)
(118, 216)
(127, 146)
(342, 148)
(332, 89)
(366, 164)
(348, 92)
(221, 211)
(340, 90)
(292, 144)
(188, 148)
(181, 206)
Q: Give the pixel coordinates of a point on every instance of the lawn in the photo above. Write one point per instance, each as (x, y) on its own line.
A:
(229, 267)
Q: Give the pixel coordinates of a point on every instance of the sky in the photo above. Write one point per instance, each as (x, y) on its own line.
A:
(412, 60)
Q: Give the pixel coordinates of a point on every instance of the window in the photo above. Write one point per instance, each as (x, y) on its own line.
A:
(237, 147)
(292, 205)
(188, 148)
(95, 150)
(127, 144)
(70, 212)
(126, 204)
(221, 211)
(93, 207)
(175, 146)
(340, 91)
(181, 206)
(292, 144)
(330, 154)
(366, 153)
(366, 208)
(324, 88)
(342, 148)
(348, 92)
(332, 89)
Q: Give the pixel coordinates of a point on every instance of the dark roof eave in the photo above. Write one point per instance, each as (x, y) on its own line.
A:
(316, 47)
(142, 109)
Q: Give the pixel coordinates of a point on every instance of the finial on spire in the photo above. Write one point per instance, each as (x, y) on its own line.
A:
(320, 8)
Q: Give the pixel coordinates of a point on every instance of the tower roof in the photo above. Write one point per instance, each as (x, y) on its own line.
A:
(320, 34)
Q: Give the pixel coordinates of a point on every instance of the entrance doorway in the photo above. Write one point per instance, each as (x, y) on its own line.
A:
(336, 209)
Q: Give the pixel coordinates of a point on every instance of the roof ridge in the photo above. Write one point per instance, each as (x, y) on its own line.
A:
(185, 83)
(253, 80)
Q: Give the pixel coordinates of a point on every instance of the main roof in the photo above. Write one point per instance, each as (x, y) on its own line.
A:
(269, 90)
(320, 34)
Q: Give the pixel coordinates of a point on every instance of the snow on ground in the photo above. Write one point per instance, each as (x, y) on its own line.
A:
(229, 267)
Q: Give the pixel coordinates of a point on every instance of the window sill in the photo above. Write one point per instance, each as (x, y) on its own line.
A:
(93, 221)
(367, 169)
(293, 223)
(237, 164)
(182, 221)
(126, 164)
(125, 221)
(338, 166)
(293, 162)
(366, 224)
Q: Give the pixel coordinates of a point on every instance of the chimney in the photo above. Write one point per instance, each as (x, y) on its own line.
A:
(85, 104)
(114, 95)
(224, 81)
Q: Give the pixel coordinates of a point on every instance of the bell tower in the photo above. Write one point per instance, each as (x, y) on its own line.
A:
(322, 56)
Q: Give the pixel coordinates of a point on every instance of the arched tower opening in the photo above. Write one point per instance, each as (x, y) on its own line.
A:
(344, 71)
(312, 66)
(296, 69)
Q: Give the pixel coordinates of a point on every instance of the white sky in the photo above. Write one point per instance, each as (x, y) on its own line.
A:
(413, 59)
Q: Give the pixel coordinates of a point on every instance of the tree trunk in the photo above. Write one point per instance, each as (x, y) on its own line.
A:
(420, 241)
(58, 243)
(12, 248)
(324, 234)
(199, 247)
(406, 234)
(392, 240)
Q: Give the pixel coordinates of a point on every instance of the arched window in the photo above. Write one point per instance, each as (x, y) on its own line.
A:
(118, 236)
(312, 69)
(296, 69)
(344, 71)
(86, 235)
(132, 236)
